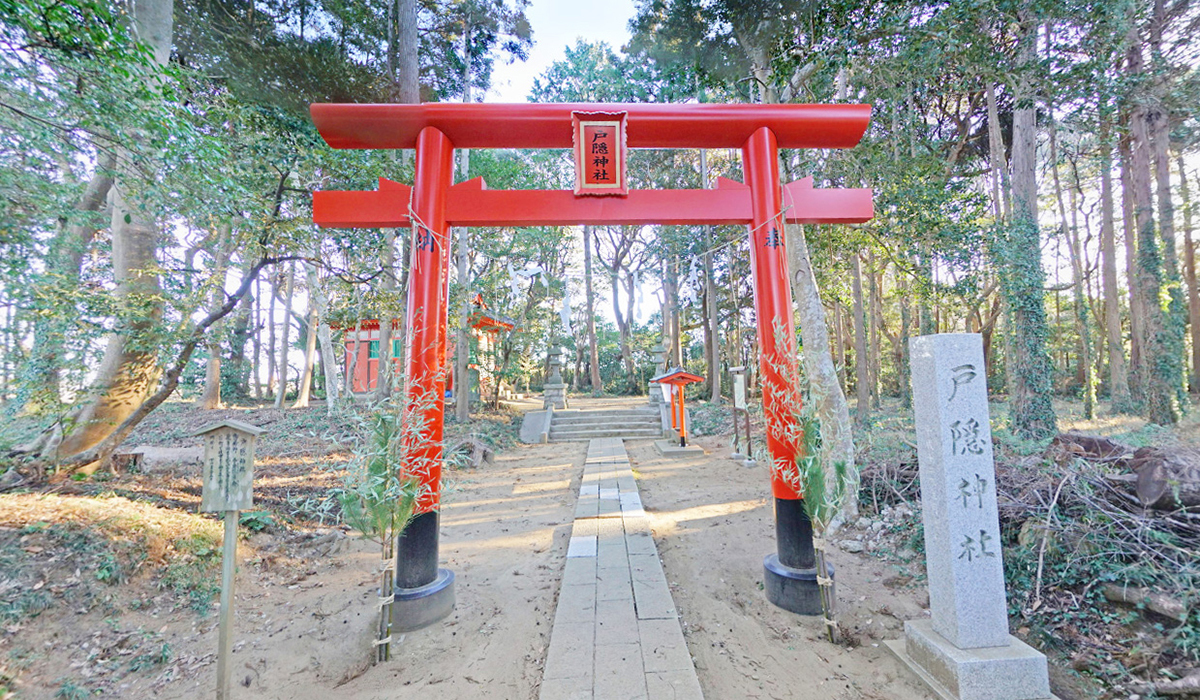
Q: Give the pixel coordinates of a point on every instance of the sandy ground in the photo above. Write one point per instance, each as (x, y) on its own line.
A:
(713, 523)
(304, 624)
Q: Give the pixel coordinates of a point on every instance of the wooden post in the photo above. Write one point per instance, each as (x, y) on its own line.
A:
(225, 643)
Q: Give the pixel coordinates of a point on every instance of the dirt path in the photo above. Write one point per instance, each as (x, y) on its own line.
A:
(713, 524)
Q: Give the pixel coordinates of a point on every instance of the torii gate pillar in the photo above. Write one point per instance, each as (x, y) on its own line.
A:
(425, 593)
(790, 576)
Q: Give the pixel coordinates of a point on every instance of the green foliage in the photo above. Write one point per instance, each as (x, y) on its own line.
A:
(257, 520)
(152, 659)
(378, 501)
(824, 489)
(71, 690)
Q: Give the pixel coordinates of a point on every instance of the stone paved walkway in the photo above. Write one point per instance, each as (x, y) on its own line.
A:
(616, 633)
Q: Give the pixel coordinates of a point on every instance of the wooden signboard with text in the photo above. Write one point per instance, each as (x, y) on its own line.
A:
(600, 153)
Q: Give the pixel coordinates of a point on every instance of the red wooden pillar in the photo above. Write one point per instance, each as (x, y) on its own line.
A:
(790, 575)
(424, 592)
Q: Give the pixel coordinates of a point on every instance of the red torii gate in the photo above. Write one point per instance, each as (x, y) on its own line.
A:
(433, 204)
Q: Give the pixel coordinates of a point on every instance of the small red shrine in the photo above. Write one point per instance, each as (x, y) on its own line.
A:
(675, 380)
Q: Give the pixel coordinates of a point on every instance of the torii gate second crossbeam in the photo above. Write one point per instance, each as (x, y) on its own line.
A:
(433, 204)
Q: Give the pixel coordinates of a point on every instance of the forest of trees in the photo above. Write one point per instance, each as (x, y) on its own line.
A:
(1034, 167)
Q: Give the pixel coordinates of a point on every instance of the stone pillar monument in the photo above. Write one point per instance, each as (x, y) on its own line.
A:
(658, 355)
(964, 651)
(554, 391)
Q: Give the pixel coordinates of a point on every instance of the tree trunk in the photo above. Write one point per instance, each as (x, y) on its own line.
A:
(304, 389)
(996, 162)
(624, 330)
(1136, 312)
(387, 318)
(1173, 363)
(406, 85)
(272, 339)
(129, 370)
(1189, 252)
(1030, 375)
(462, 346)
(712, 327)
(862, 363)
(593, 346)
(256, 336)
(904, 370)
(329, 360)
(241, 335)
(42, 376)
(1157, 375)
(831, 406)
(1071, 234)
(211, 398)
(282, 362)
(874, 294)
(1118, 372)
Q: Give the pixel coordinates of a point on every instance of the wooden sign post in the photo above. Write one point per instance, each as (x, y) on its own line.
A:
(741, 418)
(228, 487)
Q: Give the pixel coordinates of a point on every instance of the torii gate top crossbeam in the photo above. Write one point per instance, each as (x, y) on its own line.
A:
(549, 125)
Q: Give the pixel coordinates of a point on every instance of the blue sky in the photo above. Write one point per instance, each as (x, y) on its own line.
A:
(557, 24)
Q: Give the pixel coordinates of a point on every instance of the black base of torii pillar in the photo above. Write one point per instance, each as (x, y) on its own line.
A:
(790, 576)
(424, 593)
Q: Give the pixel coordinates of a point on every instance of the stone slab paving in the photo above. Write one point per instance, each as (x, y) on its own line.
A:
(616, 633)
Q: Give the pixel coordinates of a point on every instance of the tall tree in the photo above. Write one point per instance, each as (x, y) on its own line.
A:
(129, 370)
(1031, 413)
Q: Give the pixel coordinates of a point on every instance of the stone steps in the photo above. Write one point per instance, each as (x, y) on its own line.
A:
(588, 420)
(571, 425)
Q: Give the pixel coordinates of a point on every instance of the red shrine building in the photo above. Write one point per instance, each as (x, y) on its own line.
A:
(363, 352)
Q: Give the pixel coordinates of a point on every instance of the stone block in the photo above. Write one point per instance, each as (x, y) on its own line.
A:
(647, 568)
(564, 689)
(663, 646)
(613, 584)
(576, 604)
(571, 652)
(584, 546)
(585, 527)
(608, 509)
(676, 685)
(612, 556)
(671, 448)
(579, 571)
(1014, 671)
(619, 674)
(610, 529)
(653, 600)
(587, 508)
(616, 622)
(640, 543)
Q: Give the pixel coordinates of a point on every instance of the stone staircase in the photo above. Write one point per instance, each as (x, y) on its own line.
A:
(640, 423)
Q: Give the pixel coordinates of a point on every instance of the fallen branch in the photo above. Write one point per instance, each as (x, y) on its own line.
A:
(1188, 685)
(1153, 601)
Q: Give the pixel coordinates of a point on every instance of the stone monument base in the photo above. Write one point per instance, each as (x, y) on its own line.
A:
(794, 590)
(1015, 672)
(655, 393)
(671, 448)
(554, 395)
(414, 608)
